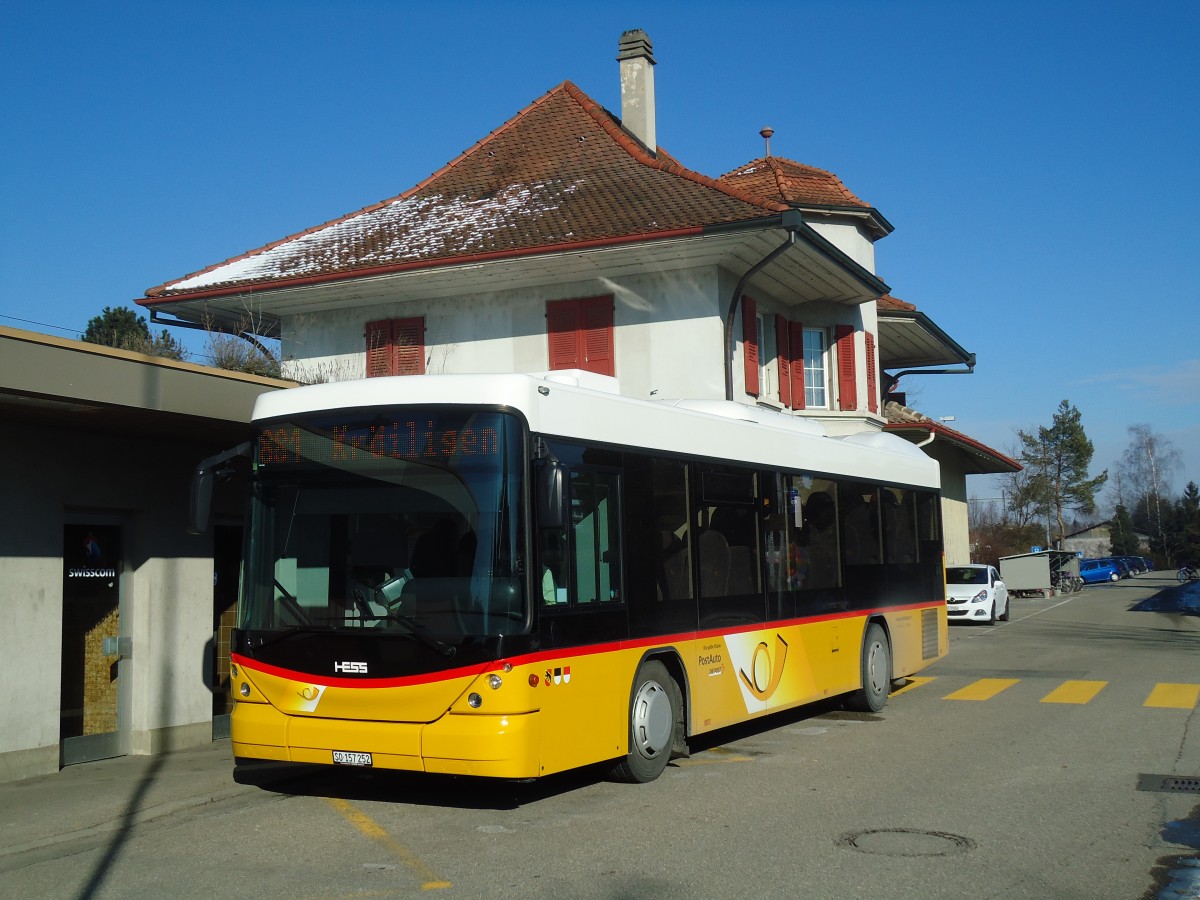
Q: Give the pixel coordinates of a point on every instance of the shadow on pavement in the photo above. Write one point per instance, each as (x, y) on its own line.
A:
(1183, 599)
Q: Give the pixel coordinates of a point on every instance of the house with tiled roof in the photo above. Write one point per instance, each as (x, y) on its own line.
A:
(568, 239)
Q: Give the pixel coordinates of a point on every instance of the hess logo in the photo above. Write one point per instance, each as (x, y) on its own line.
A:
(350, 668)
(766, 668)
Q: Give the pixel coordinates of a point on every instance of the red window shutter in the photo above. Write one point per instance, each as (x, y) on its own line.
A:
(396, 347)
(408, 346)
(580, 334)
(872, 387)
(847, 373)
(596, 339)
(783, 359)
(750, 344)
(797, 345)
(562, 323)
(379, 349)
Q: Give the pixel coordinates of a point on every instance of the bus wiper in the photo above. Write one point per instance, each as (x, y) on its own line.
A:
(290, 632)
(413, 626)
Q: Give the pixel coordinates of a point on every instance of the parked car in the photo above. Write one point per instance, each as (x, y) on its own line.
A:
(1149, 563)
(975, 592)
(1122, 566)
(1098, 571)
(1136, 567)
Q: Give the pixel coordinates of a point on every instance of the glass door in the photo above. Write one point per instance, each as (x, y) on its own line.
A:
(90, 708)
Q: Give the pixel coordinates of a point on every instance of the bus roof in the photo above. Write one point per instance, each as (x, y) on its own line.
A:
(583, 406)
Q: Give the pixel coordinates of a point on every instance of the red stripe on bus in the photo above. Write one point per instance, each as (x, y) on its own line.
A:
(561, 653)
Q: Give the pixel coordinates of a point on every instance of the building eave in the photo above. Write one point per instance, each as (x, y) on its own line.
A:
(986, 460)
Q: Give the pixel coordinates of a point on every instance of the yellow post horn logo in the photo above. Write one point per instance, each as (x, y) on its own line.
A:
(765, 672)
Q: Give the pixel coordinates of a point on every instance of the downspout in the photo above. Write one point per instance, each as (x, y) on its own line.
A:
(789, 219)
(928, 440)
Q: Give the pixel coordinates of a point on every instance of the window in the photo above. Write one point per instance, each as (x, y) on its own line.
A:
(764, 374)
(396, 347)
(580, 334)
(816, 394)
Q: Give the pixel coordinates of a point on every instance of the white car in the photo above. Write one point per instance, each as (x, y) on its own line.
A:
(975, 593)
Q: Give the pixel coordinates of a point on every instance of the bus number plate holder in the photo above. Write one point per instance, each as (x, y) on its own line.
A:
(351, 758)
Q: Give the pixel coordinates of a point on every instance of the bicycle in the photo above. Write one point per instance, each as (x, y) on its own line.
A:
(1188, 573)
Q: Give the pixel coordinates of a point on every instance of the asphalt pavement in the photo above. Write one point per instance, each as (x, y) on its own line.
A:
(92, 803)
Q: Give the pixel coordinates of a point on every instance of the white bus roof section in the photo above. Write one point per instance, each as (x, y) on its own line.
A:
(555, 405)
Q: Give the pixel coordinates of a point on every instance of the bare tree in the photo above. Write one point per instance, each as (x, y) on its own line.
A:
(1145, 472)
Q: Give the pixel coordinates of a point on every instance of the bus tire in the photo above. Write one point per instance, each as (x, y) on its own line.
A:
(653, 711)
(876, 671)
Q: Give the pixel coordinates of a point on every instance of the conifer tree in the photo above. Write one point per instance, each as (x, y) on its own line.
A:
(1057, 458)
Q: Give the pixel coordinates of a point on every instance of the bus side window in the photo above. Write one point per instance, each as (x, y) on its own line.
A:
(899, 525)
(859, 507)
(595, 537)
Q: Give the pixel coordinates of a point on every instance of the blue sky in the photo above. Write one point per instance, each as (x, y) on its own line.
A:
(1040, 161)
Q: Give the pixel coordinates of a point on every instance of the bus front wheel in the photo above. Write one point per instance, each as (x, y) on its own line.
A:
(876, 672)
(653, 709)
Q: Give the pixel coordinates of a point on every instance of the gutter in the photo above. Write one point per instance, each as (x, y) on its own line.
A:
(160, 296)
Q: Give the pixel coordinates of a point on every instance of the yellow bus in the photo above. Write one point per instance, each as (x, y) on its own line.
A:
(516, 575)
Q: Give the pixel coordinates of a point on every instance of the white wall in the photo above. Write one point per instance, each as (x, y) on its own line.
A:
(669, 334)
(52, 477)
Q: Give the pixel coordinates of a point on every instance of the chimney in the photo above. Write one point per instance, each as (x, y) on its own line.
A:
(637, 86)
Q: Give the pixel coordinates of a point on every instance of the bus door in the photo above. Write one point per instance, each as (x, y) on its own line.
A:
(581, 573)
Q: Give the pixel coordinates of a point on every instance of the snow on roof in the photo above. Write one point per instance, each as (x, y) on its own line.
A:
(407, 228)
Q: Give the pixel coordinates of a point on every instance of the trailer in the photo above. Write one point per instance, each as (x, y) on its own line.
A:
(1042, 573)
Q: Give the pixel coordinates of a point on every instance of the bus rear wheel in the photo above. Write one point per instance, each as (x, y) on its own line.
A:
(653, 710)
(876, 672)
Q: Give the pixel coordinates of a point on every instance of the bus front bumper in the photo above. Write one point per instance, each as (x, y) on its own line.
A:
(496, 746)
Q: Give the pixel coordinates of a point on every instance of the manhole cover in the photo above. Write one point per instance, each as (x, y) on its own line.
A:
(905, 842)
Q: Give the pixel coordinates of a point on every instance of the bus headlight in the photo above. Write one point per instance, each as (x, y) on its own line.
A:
(474, 700)
(244, 689)
(494, 681)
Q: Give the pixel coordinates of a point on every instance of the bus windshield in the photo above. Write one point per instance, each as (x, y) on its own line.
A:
(405, 521)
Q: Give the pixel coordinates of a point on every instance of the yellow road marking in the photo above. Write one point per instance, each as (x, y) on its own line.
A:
(1173, 696)
(914, 682)
(376, 832)
(983, 689)
(1075, 692)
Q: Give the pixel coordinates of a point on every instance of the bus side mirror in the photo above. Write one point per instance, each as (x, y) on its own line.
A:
(200, 501)
(549, 483)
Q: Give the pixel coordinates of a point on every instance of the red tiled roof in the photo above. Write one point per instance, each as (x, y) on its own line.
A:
(888, 303)
(560, 173)
(776, 178)
(901, 419)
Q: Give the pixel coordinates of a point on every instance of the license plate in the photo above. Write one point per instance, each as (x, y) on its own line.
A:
(351, 758)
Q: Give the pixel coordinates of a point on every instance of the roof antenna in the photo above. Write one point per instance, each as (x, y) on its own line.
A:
(766, 136)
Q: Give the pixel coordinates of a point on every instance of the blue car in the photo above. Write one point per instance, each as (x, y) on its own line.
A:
(1098, 571)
